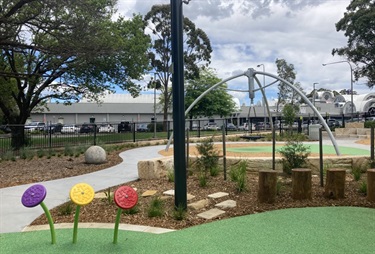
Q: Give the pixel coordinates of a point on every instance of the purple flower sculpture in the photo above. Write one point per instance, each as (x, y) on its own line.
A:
(34, 195)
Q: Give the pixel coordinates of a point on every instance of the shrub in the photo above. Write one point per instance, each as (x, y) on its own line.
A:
(237, 174)
(40, 153)
(133, 210)
(66, 209)
(209, 156)
(156, 208)
(294, 156)
(363, 188)
(356, 172)
(170, 175)
(179, 213)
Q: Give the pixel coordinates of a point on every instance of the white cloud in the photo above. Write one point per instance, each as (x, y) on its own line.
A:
(246, 33)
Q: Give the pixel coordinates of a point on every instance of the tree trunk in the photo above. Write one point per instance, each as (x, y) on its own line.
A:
(301, 183)
(267, 186)
(371, 184)
(335, 183)
(18, 139)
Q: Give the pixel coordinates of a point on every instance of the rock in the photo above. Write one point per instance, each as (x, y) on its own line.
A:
(95, 155)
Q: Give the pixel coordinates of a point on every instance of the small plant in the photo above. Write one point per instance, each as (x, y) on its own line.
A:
(66, 209)
(363, 188)
(156, 208)
(109, 195)
(214, 171)
(40, 153)
(9, 155)
(26, 154)
(179, 213)
(170, 175)
(356, 172)
(209, 156)
(237, 174)
(202, 179)
(278, 187)
(68, 151)
(133, 210)
(294, 155)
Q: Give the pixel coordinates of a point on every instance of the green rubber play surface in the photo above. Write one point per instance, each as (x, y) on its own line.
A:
(314, 148)
(297, 230)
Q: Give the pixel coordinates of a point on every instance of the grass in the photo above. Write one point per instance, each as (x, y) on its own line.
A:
(156, 207)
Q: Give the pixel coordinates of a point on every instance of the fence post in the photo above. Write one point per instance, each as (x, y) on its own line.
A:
(94, 134)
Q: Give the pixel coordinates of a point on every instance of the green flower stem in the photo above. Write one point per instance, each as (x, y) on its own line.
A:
(76, 216)
(119, 211)
(50, 222)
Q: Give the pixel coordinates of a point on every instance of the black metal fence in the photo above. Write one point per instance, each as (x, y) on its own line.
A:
(48, 136)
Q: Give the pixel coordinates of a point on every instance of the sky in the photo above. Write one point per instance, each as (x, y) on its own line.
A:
(248, 33)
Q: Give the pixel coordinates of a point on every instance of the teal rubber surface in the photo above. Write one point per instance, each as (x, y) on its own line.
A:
(296, 230)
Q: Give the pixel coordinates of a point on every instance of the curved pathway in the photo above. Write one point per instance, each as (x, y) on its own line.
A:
(14, 216)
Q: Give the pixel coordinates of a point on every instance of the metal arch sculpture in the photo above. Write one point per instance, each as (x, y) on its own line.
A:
(250, 74)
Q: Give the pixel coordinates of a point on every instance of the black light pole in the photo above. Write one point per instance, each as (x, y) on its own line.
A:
(178, 104)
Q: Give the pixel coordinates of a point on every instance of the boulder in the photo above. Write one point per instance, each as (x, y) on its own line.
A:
(95, 155)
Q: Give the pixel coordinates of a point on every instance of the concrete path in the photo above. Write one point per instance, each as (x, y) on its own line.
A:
(14, 216)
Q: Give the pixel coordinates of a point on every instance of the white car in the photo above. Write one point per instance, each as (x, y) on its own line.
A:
(106, 128)
(70, 128)
(35, 126)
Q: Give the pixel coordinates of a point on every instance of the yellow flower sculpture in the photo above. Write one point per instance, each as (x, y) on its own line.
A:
(82, 194)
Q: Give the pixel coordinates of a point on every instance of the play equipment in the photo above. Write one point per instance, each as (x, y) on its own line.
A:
(34, 196)
(125, 197)
(81, 194)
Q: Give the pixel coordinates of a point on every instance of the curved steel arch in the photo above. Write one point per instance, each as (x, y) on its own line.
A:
(250, 74)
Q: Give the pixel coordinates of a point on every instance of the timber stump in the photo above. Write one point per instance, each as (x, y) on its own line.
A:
(335, 183)
(301, 183)
(267, 186)
(371, 184)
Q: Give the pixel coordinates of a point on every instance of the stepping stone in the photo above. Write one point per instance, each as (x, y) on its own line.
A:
(218, 195)
(227, 204)
(149, 193)
(210, 214)
(169, 192)
(101, 195)
(190, 197)
(199, 204)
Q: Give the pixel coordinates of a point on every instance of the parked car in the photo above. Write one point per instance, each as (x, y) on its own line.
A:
(211, 126)
(261, 126)
(245, 127)
(333, 123)
(53, 128)
(70, 128)
(124, 127)
(87, 128)
(35, 126)
(106, 128)
(231, 127)
(142, 128)
(5, 129)
(195, 127)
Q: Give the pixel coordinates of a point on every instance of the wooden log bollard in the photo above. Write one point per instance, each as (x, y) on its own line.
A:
(371, 184)
(301, 183)
(267, 186)
(335, 183)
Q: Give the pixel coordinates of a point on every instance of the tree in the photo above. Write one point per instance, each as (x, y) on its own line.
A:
(216, 102)
(197, 49)
(358, 24)
(290, 114)
(65, 50)
(286, 93)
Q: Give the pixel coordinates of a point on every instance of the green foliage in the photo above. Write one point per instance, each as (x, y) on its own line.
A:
(278, 187)
(214, 171)
(216, 102)
(156, 207)
(66, 208)
(26, 153)
(202, 179)
(208, 155)
(290, 114)
(133, 210)
(179, 213)
(7, 156)
(363, 188)
(197, 50)
(294, 155)
(40, 153)
(369, 124)
(237, 174)
(114, 53)
(68, 151)
(109, 196)
(356, 172)
(358, 26)
(170, 175)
